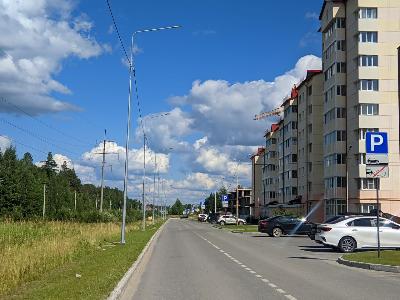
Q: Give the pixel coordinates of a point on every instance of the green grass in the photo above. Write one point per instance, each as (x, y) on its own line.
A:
(100, 266)
(239, 228)
(391, 258)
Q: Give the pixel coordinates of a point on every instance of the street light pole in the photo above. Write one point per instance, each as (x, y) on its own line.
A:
(144, 177)
(131, 69)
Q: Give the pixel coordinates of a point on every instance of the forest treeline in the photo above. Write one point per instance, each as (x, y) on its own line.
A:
(22, 189)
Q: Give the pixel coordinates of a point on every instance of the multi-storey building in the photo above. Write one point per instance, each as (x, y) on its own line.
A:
(258, 197)
(287, 150)
(310, 150)
(270, 168)
(361, 94)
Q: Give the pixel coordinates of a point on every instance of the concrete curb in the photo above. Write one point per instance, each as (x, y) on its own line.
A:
(120, 288)
(366, 266)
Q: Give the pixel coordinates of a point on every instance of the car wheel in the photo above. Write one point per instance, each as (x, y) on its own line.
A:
(276, 232)
(222, 223)
(240, 223)
(347, 244)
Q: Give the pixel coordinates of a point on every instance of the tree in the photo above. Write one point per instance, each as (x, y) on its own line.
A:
(50, 165)
(177, 208)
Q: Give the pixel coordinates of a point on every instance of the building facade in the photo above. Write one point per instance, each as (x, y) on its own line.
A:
(361, 94)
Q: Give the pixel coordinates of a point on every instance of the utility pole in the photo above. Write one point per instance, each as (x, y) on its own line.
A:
(75, 199)
(144, 177)
(103, 163)
(215, 202)
(44, 200)
(237, 200)
(154, 185)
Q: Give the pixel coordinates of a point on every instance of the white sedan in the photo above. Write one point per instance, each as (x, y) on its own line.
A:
(230, 220)
(349, 234)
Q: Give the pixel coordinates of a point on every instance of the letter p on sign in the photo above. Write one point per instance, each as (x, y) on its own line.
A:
(376, 142)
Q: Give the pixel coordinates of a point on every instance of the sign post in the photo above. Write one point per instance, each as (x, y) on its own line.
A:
(377, 162)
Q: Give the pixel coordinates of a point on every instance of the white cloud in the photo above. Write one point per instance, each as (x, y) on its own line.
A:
(5, 142)
(167, 131)
(224, 112)
(36, 37)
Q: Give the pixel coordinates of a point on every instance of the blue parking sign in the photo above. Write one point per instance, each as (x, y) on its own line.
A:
(376, 143)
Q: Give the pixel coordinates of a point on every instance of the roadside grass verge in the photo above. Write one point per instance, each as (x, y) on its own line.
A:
(239, 228)
(60, 260)
(388, 257)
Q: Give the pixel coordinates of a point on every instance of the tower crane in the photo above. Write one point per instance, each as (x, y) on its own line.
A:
(275, 112)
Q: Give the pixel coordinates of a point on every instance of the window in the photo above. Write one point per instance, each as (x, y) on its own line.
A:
(367, 183)
(366, 208)
(294, 125)
(310, 147)
(362, 158)
(294, 174)
(368, 13)
(294, 158)
(309, 90)
(369, 85)
(341, 45)
(340, 135)
(341, 182)
(368, 109)
(368, 61)
(340, 23)
(310, 109)
(329, 73)
(340, 67)
(340, 112)
(363, 131)
(341, 90)
(334, 207)
(364, 222)
(309, 128)
(368, 37)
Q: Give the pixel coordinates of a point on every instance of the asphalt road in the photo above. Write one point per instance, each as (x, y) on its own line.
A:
(196, 261)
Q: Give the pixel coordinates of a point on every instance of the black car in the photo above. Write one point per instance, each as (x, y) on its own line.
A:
(280, 225)
(213, 218)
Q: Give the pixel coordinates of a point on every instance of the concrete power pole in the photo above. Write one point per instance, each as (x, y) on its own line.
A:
(103, 164)
(154, 185)
(215, 202)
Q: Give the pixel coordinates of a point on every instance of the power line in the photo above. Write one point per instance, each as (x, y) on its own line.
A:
(41, 122)
(38, 137)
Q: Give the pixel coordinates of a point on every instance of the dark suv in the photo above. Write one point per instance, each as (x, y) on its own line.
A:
(280, 225)
(213, 218)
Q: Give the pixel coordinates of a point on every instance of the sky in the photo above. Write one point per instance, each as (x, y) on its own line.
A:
(64, 81)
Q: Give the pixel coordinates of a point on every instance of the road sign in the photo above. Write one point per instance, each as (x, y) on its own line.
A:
(377, 159)
(376, 143)
(225, 204)
(377, 171)
(224, 197)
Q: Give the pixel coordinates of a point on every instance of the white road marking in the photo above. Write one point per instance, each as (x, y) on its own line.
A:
(288, 296)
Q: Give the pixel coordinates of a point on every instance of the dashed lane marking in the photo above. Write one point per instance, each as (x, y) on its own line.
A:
(274, 286)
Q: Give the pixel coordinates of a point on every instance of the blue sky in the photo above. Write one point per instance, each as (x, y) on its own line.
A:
(231, 50)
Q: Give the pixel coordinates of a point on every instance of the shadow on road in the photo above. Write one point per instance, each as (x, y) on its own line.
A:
(307, 258)
(316, 249)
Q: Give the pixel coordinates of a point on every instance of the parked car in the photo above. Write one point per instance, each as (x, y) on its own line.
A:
(280, 225)
(314, 226)
(351, 233)
(184, 216)
(230, 220)
(202, 217)
(213, 218)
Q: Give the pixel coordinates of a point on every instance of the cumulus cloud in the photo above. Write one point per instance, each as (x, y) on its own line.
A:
(224, 112)
(36, 37)
(311, 15)
(5, 142)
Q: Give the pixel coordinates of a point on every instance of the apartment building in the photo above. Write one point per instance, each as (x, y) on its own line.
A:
(287, 150)
(361, 93)
(258, 194)
(245, 203)
(310, 144)
(270, 168)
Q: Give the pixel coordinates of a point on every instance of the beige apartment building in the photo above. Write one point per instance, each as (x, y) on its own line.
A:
(257, 167)
(287, 151)
(361, 93)
(310, 144)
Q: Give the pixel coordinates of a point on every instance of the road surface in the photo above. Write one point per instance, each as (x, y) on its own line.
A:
(197, 261)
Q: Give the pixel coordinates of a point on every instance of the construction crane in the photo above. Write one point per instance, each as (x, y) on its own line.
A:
(275, 112)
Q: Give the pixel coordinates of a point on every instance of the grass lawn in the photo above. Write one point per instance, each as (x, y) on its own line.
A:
(239, 228)
(391, 258)
(91, 271)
